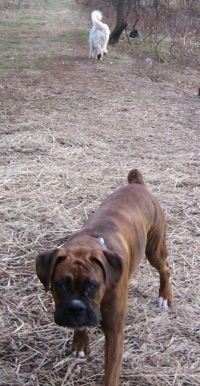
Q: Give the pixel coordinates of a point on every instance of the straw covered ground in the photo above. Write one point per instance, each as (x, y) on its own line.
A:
(71, 129)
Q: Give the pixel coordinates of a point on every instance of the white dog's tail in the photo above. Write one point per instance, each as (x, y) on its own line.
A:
(96, 17)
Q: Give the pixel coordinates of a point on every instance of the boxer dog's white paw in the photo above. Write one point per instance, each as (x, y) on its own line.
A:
(162, 302)
(78, 354)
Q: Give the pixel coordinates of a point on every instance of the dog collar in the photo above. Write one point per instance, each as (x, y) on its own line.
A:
(101, 242)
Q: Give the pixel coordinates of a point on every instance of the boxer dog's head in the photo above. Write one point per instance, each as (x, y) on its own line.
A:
(78, 278)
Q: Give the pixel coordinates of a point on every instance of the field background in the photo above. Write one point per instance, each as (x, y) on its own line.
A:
(71, 128)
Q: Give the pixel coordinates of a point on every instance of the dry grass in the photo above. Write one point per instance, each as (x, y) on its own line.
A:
(71, 129)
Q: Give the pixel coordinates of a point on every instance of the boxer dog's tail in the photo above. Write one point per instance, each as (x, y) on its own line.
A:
(135, 177)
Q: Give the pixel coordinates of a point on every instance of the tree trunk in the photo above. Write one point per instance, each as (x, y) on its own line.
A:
(120, 24)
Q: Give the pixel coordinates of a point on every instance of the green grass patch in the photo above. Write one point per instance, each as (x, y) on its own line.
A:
(83, 35)
(15, 65)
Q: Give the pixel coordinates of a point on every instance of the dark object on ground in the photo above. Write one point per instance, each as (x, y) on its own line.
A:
(134, 34)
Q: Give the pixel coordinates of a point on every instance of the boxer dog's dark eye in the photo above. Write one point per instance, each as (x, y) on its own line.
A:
(90, 288)
(63, 287)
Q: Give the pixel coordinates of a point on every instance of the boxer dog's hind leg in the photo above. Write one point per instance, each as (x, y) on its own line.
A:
(156, 252)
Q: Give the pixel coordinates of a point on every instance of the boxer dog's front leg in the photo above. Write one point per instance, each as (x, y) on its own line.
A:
(113, 327)
(80, 345)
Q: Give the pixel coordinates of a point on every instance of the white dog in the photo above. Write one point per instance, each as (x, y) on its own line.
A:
(99, 36)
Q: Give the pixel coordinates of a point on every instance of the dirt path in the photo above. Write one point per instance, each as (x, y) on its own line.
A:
(71, 128)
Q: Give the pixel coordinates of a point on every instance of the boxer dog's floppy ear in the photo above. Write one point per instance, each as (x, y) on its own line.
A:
(111, 264)
(45, 264)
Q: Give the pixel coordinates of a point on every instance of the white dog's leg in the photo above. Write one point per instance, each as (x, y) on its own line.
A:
(99, 52)
(91, 53)
(105, 51)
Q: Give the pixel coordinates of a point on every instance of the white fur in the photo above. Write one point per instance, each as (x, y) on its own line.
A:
(162, 302)
(99, 36)
(78, 354)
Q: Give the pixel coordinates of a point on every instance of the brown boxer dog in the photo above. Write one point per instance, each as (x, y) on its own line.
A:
(89, 276)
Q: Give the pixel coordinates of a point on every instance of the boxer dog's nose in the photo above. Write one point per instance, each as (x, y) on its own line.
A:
(76, 306)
